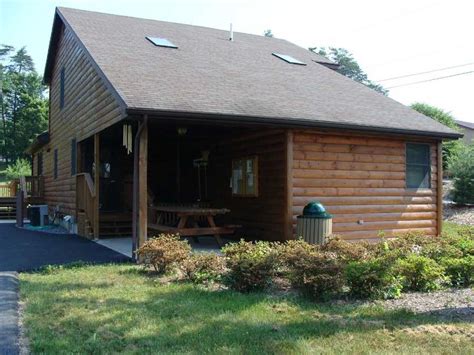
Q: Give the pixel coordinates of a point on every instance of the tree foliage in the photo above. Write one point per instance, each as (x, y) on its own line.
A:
(24, 107)
(268, 33)
(450, 148)
(348, 66)
(462, 168)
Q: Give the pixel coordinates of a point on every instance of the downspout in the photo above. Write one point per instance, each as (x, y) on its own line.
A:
(135, 202)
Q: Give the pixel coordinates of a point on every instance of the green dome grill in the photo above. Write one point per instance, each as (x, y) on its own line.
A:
(315, 209)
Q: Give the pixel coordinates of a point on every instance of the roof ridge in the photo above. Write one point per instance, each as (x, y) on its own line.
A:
(318, 56)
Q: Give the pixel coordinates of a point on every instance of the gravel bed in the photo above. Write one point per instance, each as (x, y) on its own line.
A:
(455, 304)
(458, 214)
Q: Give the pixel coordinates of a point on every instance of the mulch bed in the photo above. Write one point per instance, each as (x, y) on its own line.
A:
(452, 304)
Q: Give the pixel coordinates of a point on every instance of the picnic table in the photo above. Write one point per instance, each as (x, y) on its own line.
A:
(188, 221)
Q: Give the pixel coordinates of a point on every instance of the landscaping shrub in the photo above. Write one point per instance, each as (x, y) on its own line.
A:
(420, 273)
(318, 274)
(164, 252)
(349, 251)
(203, 267)
(292, 251)
(461, 167)
(373, 279)
(459, 270)
(251, 265)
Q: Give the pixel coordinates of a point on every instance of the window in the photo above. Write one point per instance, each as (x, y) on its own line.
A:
(55, 170)
(418, 170)
(61, 89)
(288, 59)
(73, 156)
(40, 164)
(161, 42)
(245, 177)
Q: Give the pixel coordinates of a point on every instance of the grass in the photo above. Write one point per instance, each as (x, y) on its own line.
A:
(118, 308)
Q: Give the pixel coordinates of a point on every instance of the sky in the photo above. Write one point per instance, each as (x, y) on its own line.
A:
(387, 38)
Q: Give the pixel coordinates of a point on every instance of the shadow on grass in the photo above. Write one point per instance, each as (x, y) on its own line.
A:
(82, 317)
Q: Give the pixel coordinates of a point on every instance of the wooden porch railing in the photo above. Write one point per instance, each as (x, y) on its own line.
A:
(32, 186)
(87, 216)
(8, 189)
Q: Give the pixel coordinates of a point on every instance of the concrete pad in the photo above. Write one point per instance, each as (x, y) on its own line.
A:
(9, 328)
(120, 245)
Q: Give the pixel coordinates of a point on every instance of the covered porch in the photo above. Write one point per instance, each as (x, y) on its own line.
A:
(176, 176)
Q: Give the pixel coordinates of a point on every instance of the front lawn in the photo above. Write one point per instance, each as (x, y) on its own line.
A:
(117, 308)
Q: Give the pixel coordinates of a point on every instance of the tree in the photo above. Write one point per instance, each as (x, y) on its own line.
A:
(462, 168)
(24, 107)
(348, 66)
(268, 33)
(450, 148)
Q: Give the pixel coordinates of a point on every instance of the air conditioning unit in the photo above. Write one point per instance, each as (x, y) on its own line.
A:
(38, 215)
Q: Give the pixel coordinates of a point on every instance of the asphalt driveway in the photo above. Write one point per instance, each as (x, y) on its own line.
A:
(25, 250)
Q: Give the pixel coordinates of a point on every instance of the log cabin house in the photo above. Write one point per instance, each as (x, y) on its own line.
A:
(146, 113)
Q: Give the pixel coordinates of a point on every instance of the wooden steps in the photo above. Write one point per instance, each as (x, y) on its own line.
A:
(7, 207)
(115, 224)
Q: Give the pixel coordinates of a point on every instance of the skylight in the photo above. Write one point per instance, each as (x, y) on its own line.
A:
(288, 59)
(161, 42)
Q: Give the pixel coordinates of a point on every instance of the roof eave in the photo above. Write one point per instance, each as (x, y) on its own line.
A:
(289, 122)
(40, 141)
(53, 42)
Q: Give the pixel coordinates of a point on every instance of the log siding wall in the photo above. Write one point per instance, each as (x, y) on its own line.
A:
(361, 181)
(89, 107)
(264, 216)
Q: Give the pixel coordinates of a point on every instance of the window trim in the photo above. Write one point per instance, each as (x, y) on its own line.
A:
(256, 176)
(73, 156)
(39, 167)
(62, 89)
(414, 164)
(55, 164)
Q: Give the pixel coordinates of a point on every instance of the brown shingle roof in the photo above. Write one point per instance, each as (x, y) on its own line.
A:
(208, 74)
(465, 124)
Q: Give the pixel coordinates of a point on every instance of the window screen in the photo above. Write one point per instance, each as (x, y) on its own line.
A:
(245, 177)
(73, 156)
(55, 170)
(418, 170)
(61, 89)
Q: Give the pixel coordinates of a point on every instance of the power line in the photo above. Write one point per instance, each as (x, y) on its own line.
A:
(433, 79)
(425, 72)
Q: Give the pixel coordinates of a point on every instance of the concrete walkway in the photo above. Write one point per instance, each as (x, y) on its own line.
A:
(9, 331)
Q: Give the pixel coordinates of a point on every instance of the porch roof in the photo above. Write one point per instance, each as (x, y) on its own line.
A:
(209, 75)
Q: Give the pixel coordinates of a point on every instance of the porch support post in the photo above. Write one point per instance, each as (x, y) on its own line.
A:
(96, 225)
(143, 186)
(439, 191)
(288, 208)
(140, 187)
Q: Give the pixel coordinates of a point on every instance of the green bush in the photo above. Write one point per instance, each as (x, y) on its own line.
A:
(21, 167)
(373, 279)
(462, 168)
(164, 252)
(317, 274)
(291, 251)
(203, 267)
(459, 270)
(347, 251)
(420, 273)
(251, 266)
